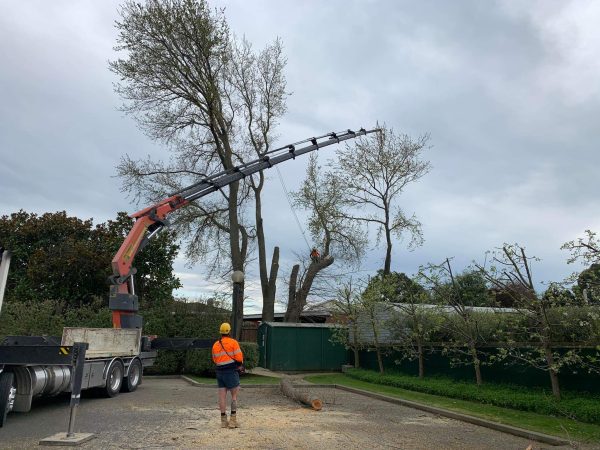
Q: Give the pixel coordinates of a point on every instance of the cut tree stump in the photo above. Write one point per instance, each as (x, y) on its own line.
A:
(293, 392)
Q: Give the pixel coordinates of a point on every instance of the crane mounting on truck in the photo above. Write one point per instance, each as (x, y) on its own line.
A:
(33, 366)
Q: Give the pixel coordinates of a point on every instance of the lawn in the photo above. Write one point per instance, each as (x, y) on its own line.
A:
(245, 379)
(557, 426)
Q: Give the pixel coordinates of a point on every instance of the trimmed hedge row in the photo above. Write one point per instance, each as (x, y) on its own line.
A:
(198, 361)
(584, 409)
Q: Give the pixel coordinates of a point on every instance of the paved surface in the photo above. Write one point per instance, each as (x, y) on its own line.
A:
(172, 414)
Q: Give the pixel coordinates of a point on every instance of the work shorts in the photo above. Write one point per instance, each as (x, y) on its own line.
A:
(228, 379)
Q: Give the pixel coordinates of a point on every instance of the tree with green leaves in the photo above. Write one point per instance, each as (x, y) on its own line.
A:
(413, 320)
(215, 102)
(458, 293)
(338, 237)
(543, 320)
(375, 170)
(63, 258)
(587, 251)
(347, 313)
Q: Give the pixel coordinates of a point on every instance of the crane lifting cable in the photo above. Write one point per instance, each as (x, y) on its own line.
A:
(289, 200)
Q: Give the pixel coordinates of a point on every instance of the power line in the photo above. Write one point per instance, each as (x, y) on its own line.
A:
(292, 208)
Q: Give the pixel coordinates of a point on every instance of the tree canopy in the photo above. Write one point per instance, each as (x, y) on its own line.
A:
(58, 257)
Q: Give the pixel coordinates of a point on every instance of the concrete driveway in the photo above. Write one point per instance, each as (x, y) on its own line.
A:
(172, 414)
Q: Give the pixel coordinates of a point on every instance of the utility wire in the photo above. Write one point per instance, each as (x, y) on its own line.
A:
(292, 208)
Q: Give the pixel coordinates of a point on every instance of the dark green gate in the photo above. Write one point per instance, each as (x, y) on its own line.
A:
(291, 347)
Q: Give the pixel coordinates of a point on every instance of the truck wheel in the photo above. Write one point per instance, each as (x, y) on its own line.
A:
(7, 395)
(134, 379)
(114, 378)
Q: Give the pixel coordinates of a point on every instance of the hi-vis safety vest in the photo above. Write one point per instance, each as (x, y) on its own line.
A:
(228, 353)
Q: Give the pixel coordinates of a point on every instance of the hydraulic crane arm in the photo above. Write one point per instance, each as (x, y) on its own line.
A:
(149, 221)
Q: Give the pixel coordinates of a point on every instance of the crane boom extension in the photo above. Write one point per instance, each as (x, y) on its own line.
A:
(149, 221)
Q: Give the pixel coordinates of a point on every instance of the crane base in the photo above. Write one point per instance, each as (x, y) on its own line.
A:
(61, 439)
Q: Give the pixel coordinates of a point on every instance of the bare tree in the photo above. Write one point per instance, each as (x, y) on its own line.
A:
(322, 194)
(215, 102)
(375, 171)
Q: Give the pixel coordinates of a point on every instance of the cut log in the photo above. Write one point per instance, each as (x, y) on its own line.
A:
(299, 395)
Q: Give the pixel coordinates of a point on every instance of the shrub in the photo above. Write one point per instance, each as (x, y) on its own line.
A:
(168, 362)
(199, 362)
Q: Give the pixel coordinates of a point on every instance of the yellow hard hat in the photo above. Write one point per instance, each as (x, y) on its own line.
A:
(225, 328)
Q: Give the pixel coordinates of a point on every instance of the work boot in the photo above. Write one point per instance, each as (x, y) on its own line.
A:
(224, 423)
(233, 422)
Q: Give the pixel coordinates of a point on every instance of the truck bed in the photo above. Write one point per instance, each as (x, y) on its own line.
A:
(105, 342)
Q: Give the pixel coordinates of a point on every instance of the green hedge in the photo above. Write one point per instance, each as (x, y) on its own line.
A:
(573, 405)
(198, 361)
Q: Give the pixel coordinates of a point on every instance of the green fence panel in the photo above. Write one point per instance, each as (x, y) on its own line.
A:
(299, 347)
(519, 374)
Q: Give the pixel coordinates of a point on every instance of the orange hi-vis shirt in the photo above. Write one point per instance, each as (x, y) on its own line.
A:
(227, 354)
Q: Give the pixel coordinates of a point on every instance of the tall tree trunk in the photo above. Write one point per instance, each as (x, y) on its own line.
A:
(387, 267)
(237, 259)
(268, 282)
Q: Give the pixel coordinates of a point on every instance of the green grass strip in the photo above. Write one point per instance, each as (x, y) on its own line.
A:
(557, 426)
(579, 406)
(245, 379)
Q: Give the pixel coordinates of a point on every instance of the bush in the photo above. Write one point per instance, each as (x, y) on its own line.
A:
(199, 362)
(250, 351)
(584, 409)
(168, 362)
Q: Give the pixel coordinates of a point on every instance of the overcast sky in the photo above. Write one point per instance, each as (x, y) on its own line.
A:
(509, 92)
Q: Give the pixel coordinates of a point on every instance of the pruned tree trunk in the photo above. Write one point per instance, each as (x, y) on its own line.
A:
(300, 395)
(297, 297)
(269, 288)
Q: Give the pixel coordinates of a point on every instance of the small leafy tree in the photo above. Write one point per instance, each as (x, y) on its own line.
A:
(348, 310)
(413, 328)
(462, 325)
(541, 325)
(338, 237)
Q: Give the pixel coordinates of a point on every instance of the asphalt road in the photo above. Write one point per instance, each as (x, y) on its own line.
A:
(171, 414)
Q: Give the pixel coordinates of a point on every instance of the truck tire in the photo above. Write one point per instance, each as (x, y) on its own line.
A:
(7, 395)
(134, 378)
(114, 378)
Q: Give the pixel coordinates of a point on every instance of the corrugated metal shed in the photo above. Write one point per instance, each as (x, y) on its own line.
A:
(291, 347)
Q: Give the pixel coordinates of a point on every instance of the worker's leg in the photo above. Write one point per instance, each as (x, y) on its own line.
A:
(234, 393)
(223, 406)
(223, 400)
